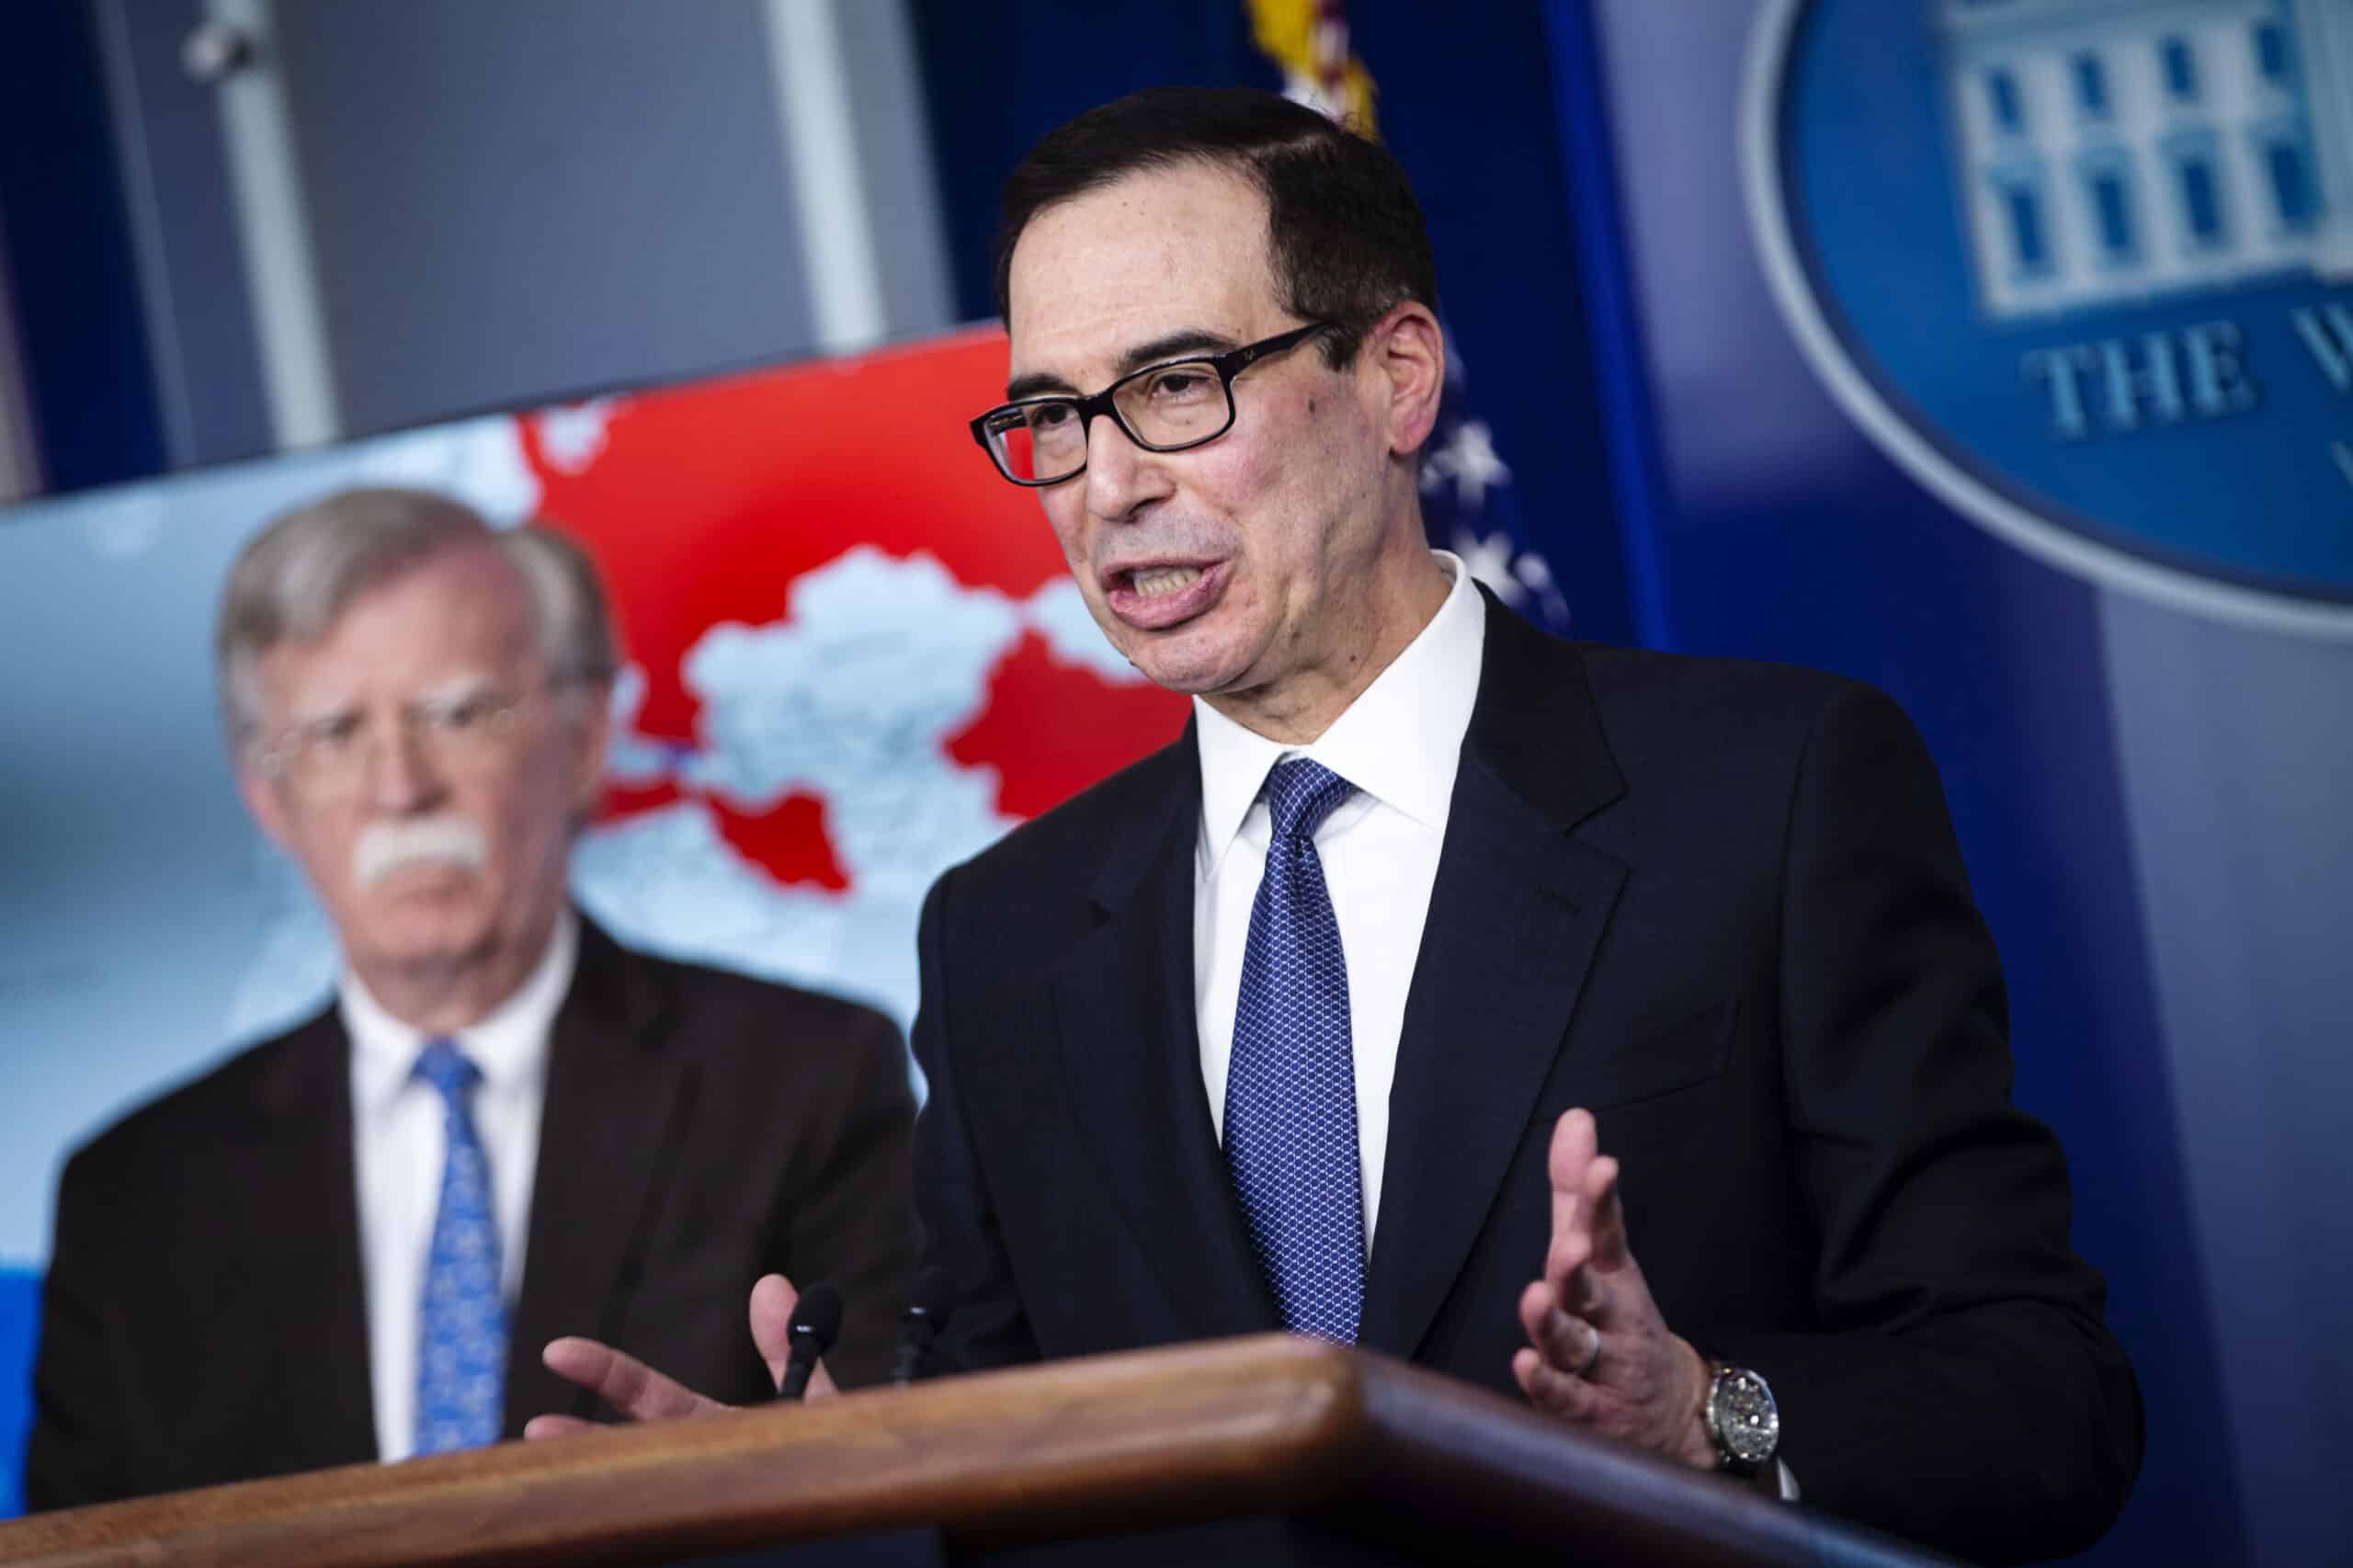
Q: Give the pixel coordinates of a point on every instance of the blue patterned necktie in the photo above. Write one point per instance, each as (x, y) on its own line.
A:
(1290, 1094)
(462, 1335)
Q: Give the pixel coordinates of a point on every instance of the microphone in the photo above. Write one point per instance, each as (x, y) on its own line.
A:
(816, 1324)
(929, 1306)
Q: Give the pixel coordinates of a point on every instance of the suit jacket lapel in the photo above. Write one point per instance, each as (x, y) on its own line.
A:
(1514, 917)
(1131, 1052)
(308, 1272)
(614, 1117)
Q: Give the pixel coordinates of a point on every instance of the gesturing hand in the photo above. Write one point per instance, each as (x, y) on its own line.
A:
(1600, 1353)
(640, 1392)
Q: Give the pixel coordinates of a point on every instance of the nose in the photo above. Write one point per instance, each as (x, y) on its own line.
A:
(401, 779)
(1120, 477)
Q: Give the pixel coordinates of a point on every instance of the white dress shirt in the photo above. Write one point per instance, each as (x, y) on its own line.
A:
(399, 1146)
(1399, 744)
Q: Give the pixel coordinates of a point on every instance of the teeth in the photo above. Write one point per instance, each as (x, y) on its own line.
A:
(1162, 580)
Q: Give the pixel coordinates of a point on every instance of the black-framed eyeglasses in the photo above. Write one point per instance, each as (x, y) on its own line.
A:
(1162, 408)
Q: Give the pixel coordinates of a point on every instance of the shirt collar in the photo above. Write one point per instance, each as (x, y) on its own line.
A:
(1427, 693)
(510, 1044)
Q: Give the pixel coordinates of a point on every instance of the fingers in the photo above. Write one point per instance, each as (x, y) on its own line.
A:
(773, 1300)
(1607, 1215)
(1534, 1302)
(1548, 1388)
(1582, 1292)
(1598, 1352)
(1567, 1343)
(623, 1381)
(1576, 1139)
(1584, 1183)
(1558, 1345)
(1574, 1145)
(640, 1392)
(1589, 1220)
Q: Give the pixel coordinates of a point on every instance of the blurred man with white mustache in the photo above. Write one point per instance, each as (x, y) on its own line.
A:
(388, 846)
(350, 1241)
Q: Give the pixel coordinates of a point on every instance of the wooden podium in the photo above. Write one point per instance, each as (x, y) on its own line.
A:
(1271, 1450)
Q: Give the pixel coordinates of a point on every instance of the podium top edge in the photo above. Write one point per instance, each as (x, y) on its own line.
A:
(1268, 1424)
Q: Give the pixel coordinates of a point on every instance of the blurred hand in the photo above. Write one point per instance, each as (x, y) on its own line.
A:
(1599, 1354)
(641, 1393)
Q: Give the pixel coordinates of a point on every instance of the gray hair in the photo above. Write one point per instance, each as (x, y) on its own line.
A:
(299, 574)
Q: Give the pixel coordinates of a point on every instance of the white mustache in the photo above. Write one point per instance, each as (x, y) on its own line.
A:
(386, 846)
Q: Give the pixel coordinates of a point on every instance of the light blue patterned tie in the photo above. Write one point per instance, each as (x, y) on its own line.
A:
(462, 1335)
(1290, 1094)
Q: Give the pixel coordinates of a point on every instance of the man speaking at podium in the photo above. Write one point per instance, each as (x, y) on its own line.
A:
(349, 1242)
(1609, 1028)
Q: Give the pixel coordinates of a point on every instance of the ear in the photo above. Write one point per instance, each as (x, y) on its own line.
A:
(1407, 351)
(262, 800)
(591, 732)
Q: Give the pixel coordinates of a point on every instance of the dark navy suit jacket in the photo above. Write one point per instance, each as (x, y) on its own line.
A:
(1720, 905)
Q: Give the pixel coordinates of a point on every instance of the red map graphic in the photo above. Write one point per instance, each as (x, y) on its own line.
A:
(702, 505)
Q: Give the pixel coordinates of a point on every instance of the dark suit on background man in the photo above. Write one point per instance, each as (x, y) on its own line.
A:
(1718, 904)
(204, 1318)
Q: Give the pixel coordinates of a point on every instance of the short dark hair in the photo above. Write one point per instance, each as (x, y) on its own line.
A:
(1344, 232)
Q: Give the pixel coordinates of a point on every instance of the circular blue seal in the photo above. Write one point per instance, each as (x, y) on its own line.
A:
(2084, 269)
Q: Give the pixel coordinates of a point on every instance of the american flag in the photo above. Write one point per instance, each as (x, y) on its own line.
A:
(1468, 502)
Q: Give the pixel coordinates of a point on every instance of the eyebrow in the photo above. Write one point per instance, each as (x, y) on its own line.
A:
(457, 688)
(341, 706)
(1169, 345)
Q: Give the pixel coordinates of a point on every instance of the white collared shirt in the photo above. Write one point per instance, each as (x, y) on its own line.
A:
(399, 1146)
(1399, 743)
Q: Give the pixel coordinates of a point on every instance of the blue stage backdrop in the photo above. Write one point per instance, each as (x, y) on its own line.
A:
(1997, 354)
(19, 1329)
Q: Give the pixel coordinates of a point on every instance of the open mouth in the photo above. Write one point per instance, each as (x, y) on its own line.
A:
(1162, 593)
(1153, 582)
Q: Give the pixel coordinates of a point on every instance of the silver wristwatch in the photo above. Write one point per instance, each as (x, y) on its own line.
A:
(1742, 1421)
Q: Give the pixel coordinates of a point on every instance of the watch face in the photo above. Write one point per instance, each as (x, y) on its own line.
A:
(1747, 1424)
